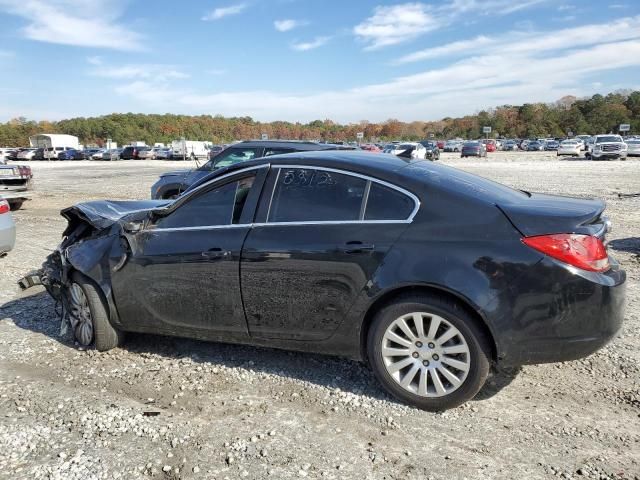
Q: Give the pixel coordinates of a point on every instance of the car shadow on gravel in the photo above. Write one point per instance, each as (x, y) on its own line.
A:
(629, 245)
(37, 313)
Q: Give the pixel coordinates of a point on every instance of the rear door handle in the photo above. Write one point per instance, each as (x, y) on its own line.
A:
(357, 247)
(216, 252)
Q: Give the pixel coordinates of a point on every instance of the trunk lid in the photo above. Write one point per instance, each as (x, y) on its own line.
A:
(541, 214)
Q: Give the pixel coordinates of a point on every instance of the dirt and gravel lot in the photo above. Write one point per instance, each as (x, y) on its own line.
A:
(175, 408)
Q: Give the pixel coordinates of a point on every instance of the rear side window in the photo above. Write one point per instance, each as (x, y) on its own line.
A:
(386, 203)
(308, 195)
(221, 206)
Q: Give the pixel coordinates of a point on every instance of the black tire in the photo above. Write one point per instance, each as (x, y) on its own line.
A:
(451, 311)
(171, 195)
(16, 204)
(105, 336)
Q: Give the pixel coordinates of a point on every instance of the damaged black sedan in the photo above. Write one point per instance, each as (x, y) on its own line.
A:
(429, 274)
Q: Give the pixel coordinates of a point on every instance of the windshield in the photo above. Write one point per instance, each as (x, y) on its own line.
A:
(608, 138)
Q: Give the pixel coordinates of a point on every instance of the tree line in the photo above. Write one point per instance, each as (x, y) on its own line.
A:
(598, 114)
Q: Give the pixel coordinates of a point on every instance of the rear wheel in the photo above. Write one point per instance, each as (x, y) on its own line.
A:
(89, 315)
(16, 205)
(428, 352)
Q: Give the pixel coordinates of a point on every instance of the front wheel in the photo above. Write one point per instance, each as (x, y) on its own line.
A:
(89, 315)
(428, 352)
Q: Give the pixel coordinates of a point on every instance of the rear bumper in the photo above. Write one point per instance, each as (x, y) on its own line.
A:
(575, 314)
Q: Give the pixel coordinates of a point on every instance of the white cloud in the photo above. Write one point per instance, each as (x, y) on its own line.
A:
(152, 71)
(95, 60)
(461, 46)
(222, 12)
(82, 23)
(460, 88)
(315, 43)
(288, 24)
(217, 71)
(530, 43)
(395, 24)
(392, 25)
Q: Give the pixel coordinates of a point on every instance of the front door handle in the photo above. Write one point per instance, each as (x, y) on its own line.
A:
(357, 247)
(216, 252)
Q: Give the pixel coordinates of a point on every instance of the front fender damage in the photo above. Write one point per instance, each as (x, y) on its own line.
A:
(87, 251)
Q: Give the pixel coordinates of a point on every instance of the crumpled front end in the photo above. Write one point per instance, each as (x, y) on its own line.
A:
(94, 244)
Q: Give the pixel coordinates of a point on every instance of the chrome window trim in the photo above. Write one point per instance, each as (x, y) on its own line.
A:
(277, 224)
(367, 178)
(226, 175)
(408, 220)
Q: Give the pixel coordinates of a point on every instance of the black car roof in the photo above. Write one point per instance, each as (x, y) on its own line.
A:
(297, 144)
(413, 174)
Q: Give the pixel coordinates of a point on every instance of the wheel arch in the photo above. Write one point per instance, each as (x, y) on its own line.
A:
(390, 295)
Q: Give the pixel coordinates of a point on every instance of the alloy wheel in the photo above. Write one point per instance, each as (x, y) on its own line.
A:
(80, 315)
(425, 354)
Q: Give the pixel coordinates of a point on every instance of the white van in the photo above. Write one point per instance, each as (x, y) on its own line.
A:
(189, 149)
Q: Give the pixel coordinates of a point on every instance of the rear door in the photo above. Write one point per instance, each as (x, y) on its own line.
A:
(319, 238)
(183, 271)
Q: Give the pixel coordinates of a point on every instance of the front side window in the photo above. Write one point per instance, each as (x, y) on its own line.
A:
(308, 195)
(217, 207)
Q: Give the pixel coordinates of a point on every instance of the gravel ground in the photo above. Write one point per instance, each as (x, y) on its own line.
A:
(174, 408)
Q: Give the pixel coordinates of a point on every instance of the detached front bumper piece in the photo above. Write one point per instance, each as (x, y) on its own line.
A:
(30, 280)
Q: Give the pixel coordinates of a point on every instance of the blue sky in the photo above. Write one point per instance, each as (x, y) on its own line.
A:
(301, 60)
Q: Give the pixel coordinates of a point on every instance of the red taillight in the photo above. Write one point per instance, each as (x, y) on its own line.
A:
(4, 207)
(582, 251)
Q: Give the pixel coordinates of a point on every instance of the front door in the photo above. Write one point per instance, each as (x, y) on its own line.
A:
(183, 271)
(320, 238)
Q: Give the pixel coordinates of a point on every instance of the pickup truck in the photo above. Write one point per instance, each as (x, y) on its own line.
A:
(607, 147)
(15, 182)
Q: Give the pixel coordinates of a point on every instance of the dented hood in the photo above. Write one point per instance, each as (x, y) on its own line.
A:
(104, 213)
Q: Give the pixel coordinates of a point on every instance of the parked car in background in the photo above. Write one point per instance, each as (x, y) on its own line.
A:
(215, 150)
(452, 146)
(25, 154)
(51, 153)
(569, 147)
(112, 154)
(164, 154)
(15, 182)
(432, 150)
(370, 148)
(5, 153)
(172, 184)
(70, 154)
(7, 228)
(489, 144)
(148, 153)
(410, 150)
(430, 274)
(633, 148)
(440, 144)
(131, 153)
(586, 139)
(551, 145)
(99, 154)
(608, 147)
(535, 146)
(88, 153)
(509, 145)
(38, 154)
(473, 149)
